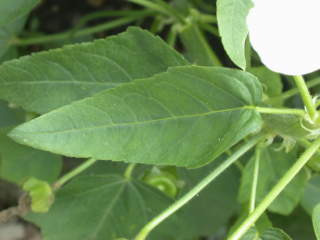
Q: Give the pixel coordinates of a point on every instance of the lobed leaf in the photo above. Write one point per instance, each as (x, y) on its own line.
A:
(104, 207)
(48, 80)
(185, 117)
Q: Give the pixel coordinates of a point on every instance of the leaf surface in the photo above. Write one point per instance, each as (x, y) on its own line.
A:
(185, 117)
(233, 29)
(47, 80)
(104, 207)
(18, 162)
(311, 196)
(269, 234)
(273, 165)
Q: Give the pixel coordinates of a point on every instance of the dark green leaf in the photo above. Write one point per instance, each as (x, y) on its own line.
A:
(273, 165)
(48, 80)
(214, 206)
(104, 207)
(316, 220)
(311, 196)
(269, 234)
(233, 29)
(9, 116)
(18, 162)
(185, 117)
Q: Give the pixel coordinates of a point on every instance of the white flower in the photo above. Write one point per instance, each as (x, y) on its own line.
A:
(286, 34)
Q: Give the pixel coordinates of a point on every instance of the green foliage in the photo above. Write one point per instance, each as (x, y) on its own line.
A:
(45, 81)
(136, 103)
(233, 29)
(191, 106)
(273, 164)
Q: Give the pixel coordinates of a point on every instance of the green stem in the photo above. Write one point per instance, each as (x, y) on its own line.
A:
(60, 182)
(306, 97)
(142, 235)
(129, 170)
(255, 179)
(291, 111)
(87, 31)
(278, 188)
(290, 93)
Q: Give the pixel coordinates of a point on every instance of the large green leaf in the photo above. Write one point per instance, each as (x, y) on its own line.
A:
(105, 207)
(316, 220)
(185, 117)
(18, 162)
(233, 29)
(273, 165)
(311, 196)
(214, 206)
(12, 19)
(48, 80)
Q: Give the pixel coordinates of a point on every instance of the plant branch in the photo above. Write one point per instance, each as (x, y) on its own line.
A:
(306, 97)
(87, 31)
(129, 170)
(278, 188)
(142, 235)
(73, 173)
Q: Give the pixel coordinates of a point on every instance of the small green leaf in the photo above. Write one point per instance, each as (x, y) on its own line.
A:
(104, 207)
(47, 80)
(18, 162)
(269, 234)
(41, 194)
(273, 165)
(311, 196)
(271, 82)
(316, 221)
(185, 117)
(233, 29)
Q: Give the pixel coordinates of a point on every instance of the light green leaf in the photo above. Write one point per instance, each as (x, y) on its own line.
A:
(233, 29)
(213, 207)
(316, 220)
(273, 165)
(18, 162)
(311, 196)
(12, 19)
(104, 207)
(48, 80)
(185, 117)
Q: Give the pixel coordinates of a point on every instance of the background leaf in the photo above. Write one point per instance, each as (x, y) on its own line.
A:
(18, 162)
(311, 196)
(273, 165)
(213, 207)
(47, 80)
(12, 20)
(316, 220)
(104, 207)
(233, 29)
(269, 234)
(186, 117)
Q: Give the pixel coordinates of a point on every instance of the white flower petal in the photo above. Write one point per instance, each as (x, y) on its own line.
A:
(286, 34)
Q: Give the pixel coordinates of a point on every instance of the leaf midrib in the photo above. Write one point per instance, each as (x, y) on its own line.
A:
(110, 125)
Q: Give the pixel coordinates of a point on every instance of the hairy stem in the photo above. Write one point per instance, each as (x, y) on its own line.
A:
(142, 235)
(306, 97)
(73, 173)
(278, 188)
